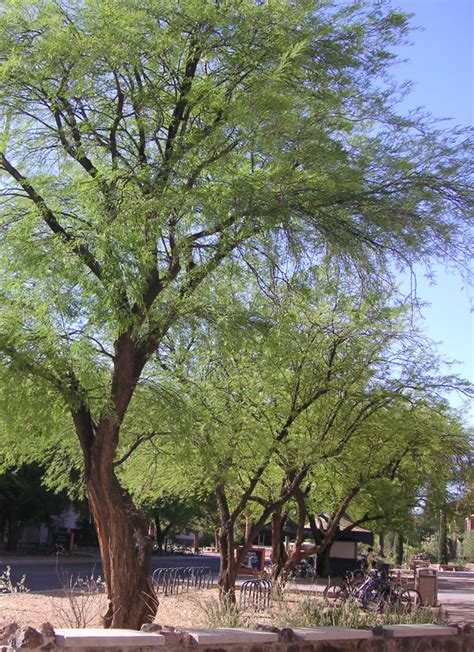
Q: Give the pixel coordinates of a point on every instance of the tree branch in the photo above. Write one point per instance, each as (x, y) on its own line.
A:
(50, 219)
(138, 441)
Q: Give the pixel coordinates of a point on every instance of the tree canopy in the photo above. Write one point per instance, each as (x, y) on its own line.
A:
(313, 389)
(144, 143)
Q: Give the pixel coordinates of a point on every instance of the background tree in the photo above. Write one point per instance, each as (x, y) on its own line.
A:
(387, 457)
(133, 164)
(411, 506)
(287, 389)
(25, 501)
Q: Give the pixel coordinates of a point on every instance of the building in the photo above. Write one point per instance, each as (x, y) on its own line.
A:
(344, 553)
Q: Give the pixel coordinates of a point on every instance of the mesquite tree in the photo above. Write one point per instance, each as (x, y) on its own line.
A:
(391, 452)
(283, 397)
(146, 141)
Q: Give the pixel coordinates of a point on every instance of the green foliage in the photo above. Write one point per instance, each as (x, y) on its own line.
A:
(153, 152)
(311, 612)
(173, 514)
(25, 500)
(307, 375)
(144, 159)
(430, 546)
(236, 402)
(224, 613)
(468, 546)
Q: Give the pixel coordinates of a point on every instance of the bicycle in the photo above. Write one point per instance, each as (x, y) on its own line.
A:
(379, 591)
(303, 569)
(340, 589)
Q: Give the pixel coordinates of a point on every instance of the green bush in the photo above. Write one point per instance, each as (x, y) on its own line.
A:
(224, 614)
(468, 546)
(430, 547)
(311, 612)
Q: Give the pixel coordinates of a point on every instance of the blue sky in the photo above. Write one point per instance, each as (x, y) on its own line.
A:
(441, 65)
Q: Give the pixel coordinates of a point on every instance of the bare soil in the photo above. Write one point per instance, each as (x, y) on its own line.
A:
(182, 610)
(185, 610)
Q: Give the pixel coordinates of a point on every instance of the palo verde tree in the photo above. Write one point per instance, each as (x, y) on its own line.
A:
(145, 141)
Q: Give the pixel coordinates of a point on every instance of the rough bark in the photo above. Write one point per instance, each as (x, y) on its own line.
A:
(381, 544)
(443, 537)
(161, 534)
(196, 541)
(392, 536)
(125, 550)
(399, 549)
(296, 553)
(228, 567)
(122, 532)
(279, 554)
(248, 526)
(324, 561)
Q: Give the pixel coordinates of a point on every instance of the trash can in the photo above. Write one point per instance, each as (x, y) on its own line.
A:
(384, 568)
(426, 583)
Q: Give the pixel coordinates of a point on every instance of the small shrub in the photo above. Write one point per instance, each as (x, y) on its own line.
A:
(312, 612)
(224, 614)
(86, 601)
(417, 616)
(8, 586)
(430, 547)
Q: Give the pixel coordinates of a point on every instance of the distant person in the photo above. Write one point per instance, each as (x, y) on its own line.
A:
(371, 558)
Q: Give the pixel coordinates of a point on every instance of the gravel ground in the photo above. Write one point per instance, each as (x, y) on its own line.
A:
(182, 611)
(185, 610)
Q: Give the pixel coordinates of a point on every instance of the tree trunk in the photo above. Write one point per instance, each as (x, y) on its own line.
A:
(228, 567)
(399, 549)
(3, 524)
(323, 563)
(13, 530)
(125, 549)
(159, 534)
(279, 554)
(196, 541)
(248, 527)
(443, 538)
(295, 555)
(392, 542)
(122, 532)
(381, 544)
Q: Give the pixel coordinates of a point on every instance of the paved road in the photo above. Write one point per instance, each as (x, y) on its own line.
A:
(47, 573)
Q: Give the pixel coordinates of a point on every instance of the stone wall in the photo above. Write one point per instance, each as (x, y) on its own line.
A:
(398, 638)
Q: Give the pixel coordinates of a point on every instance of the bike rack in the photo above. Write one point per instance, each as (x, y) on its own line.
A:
(255, 593)
(172, 580)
